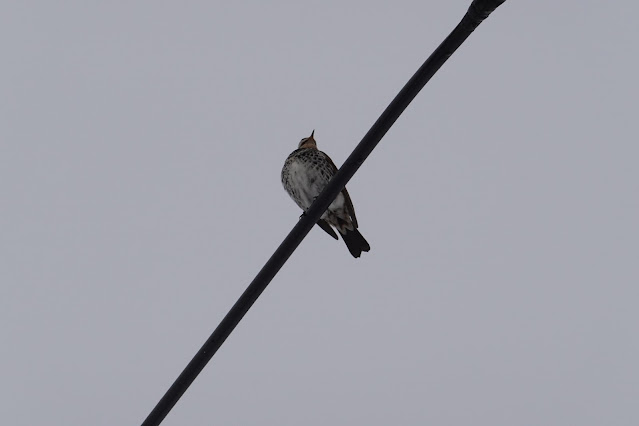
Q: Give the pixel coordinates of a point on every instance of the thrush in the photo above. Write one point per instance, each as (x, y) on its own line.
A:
(305, 174)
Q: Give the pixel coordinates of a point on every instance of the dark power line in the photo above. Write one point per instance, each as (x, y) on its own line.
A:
(477, 12)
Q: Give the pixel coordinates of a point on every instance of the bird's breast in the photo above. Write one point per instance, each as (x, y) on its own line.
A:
(304, 180)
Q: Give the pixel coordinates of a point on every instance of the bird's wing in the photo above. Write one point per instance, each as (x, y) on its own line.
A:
(328, 159)
(347, 198)
(349, 205)
(326, 227)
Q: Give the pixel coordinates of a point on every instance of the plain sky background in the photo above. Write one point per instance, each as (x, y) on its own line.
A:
(141, 145)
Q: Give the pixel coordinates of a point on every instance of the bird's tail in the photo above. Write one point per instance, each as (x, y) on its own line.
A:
(355, 242)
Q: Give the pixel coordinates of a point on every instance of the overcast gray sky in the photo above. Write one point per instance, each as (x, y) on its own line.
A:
(141, 145)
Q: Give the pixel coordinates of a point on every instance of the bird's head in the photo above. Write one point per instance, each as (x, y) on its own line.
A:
(308, 142)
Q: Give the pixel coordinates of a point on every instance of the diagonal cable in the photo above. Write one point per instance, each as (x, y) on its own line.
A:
(477, 12)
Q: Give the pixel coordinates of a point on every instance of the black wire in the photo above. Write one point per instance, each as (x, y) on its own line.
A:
(477, 12)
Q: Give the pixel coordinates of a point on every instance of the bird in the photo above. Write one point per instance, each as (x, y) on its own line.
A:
(306, 172)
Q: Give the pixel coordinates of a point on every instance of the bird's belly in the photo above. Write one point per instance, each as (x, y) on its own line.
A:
(338, 203)
(308, 184)
(308, 194)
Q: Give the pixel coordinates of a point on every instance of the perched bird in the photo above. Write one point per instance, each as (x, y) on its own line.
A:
(305, 174)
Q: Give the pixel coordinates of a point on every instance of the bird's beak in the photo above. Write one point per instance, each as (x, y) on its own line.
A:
(312, 133)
